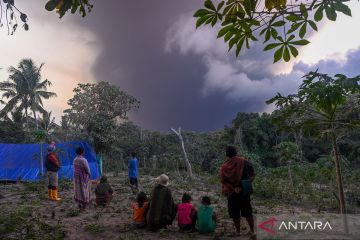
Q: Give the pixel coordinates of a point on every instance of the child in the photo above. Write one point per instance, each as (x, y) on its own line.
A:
(186, 214)
(206, 221)
(139, 208)
(103, 192)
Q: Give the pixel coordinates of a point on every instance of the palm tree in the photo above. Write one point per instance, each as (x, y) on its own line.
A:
(25, 89)
(47, 123)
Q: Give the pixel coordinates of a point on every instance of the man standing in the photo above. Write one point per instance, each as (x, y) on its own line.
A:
(52, 165)
(133, 171)
(236, 177)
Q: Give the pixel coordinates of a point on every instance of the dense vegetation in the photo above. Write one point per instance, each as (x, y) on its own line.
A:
(293, 161)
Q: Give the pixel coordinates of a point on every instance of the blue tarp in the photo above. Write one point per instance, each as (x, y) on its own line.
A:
(24, 161)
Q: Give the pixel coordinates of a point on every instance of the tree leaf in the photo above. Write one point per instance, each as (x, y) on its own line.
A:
(267, 35)
(201, 20)
(263, 30)
(278, 24)
(239, 46)
(340, 7)
(300, 42)
(51, 5)
(224, 30)
(302, 31)
(221, 4)
(233, 41)
(294, 27)
(278, 54)
(210, 19)
(313, 25)
(228, 36)
(330, 13)
(213, 22)
(23, 17)
(319, 14)
(248, 6)
(210, 5)
(274, 33)
(293, 18)
(286, 54)
(304, 11)
(291, 38)
(294, 51)
(202, 12)
(271, 46)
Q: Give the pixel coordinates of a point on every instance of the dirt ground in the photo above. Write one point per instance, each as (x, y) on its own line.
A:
(27, 214)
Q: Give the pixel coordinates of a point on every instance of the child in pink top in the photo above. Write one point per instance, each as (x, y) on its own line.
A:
(186, 214)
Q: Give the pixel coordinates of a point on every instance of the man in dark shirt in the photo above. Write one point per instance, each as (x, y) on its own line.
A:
(52, 165)
(236, 177)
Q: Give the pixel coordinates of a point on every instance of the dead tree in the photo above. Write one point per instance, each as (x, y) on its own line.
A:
(187, 162)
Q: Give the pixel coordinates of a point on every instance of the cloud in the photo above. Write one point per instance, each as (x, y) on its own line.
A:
(348, 64)
(251, 78)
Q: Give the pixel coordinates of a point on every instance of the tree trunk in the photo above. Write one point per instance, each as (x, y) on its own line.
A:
(290, 177)
(339, 180)
(41, 160)
(36, 121)
(27, 118)
(187, 162)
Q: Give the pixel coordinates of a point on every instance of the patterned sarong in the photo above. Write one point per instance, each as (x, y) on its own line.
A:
(82, 184)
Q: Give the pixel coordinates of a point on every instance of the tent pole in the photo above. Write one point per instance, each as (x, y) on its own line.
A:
(41, 161)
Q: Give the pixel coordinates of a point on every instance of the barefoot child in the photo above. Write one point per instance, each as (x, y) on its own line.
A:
(206, 221)
(139, 208)
(186, 214)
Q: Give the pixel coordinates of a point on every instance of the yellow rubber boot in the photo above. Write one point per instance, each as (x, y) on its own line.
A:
(55, 195)
(50, 194)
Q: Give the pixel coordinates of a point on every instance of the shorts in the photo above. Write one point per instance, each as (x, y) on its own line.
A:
(238, 204)
(134, 181)
(52, 178)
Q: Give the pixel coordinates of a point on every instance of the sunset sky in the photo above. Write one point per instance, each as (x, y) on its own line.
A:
(182, 76)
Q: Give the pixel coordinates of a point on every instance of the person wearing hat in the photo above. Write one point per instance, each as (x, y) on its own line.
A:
(162, 209)
(52, 165)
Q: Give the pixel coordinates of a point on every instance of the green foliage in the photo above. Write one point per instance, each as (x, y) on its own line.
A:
(25, 223)
(94, 110)
(322, 103)
(285, 24)
(287, 152)
(63, 6)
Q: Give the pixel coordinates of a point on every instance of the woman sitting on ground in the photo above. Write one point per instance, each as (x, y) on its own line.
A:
(103, 192)
(162, 210)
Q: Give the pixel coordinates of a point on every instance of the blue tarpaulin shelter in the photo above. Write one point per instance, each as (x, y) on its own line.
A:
(26, 161)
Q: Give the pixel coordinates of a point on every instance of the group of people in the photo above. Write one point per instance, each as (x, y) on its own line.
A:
(82, 182)
(159, 210)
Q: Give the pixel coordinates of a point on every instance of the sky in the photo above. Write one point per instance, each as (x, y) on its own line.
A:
(182, 76)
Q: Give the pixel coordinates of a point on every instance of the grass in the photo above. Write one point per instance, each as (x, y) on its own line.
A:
(73, 213)
(94, 228)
